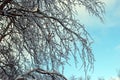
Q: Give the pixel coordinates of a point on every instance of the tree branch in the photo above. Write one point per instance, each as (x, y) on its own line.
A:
(41, 71)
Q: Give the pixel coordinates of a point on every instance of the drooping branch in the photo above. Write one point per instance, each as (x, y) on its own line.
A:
(41, 71)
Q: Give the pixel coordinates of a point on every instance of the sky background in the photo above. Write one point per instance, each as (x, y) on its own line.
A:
(106, 46)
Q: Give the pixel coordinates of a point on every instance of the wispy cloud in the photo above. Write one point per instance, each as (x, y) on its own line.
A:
(86, 18)
(111, 18)
(92, 21)
(114, 78)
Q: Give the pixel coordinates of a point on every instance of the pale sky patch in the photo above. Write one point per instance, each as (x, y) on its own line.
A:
(117, 47)
(109, 3)
(117, 10)
(117, 13)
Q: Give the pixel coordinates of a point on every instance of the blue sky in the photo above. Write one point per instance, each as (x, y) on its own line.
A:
(106, 46)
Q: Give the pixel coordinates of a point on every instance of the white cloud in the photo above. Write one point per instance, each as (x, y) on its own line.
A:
(114, 78)
(82, 11)
(86, 18)
(93, 21)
